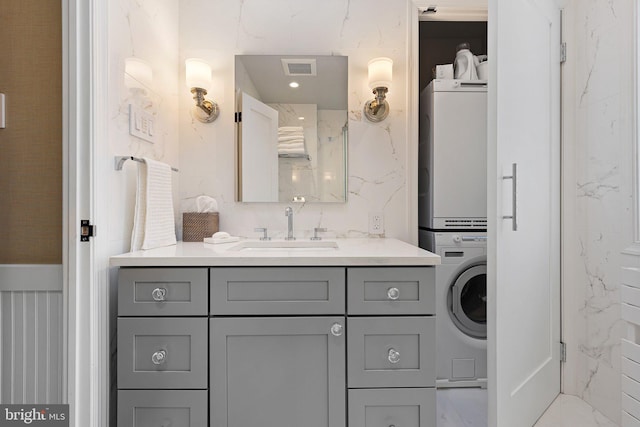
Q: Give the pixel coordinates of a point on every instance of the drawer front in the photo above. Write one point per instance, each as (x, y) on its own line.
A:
(163, 292)
(153, 408)
(161, 352)
(392, 407)
(279, 291)
(391, 352)
(391, 290)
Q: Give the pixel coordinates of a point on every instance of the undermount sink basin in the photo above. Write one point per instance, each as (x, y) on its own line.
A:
(269, 245)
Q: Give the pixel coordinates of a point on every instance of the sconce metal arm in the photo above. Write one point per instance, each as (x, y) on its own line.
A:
(377, 109)
(210, 109)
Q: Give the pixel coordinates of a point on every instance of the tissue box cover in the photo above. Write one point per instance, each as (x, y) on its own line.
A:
(198, 225)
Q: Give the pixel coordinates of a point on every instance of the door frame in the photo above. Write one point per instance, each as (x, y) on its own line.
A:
(85, 275)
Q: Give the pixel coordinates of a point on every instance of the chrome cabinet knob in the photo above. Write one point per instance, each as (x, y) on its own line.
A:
(336, 329)
(159, 294)
(393, 294)
(394, 356)
(159, 357)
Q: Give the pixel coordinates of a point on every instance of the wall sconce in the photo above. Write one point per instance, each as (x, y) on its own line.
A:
(138, 75)
(380, 73)
(198, 76)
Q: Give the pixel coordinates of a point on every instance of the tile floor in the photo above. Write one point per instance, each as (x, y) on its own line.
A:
(467, 407)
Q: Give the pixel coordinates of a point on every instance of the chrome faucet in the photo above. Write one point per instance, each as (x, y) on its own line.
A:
(289, 214)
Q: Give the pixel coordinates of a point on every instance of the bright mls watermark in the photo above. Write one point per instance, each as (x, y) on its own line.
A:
(34, 415)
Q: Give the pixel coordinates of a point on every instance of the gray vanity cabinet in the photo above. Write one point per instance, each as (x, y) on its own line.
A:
(278, 371)
(276, 346)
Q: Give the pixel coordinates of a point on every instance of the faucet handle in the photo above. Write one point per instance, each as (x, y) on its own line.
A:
(316, 230)
(264, 233)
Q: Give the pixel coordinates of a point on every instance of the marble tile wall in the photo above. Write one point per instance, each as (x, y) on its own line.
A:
(597, 195)
(145, 29)
(377, 169)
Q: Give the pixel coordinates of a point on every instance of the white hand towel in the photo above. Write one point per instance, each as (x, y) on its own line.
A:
(154, 222)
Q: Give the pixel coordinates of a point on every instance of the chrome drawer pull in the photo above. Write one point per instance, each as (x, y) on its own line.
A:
(394, 356)
(393, 294)
(159, 357)
(336, 329)
(159, 294)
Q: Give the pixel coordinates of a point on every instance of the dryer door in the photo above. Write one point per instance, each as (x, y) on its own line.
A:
(468, 301)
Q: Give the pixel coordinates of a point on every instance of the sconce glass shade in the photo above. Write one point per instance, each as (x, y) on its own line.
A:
(380, 76)
(137, 73)
(380, 72)
(198, 78)
(198, 73)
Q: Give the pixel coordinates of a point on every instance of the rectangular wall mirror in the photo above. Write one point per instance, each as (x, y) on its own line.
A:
(291, 128)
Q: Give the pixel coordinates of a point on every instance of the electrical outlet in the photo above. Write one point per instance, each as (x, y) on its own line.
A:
(376, 223)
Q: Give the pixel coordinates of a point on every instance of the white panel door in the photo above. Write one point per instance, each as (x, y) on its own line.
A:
(523, 264)
(258, 151)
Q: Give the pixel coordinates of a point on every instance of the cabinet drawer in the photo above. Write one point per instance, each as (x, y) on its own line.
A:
(391, 290)
(392, 407)
(161, 352)
(279, 291)
(153, 408)
(162, 292)
(391, 352)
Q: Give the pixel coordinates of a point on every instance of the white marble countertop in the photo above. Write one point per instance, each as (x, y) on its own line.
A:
(371, 252)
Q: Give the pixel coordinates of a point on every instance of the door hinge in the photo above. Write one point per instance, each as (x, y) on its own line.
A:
(563, 52)
(87, 230)
(563, 352)
(238, 117)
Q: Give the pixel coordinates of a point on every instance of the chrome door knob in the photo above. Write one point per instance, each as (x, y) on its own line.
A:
(393, 293)
(159, 357)
(336, 329)
(159, 294)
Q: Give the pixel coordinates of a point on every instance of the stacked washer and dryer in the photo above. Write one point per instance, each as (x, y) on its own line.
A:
(453, 221)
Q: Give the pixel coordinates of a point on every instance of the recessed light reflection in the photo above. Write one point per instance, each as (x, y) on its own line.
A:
(294, 84)
(300, 118)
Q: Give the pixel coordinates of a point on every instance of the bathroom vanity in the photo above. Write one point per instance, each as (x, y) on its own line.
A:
(257, 333)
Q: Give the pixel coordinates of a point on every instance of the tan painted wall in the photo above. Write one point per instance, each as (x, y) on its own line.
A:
(31, 144)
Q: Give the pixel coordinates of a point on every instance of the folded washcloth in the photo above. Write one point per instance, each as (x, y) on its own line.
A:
(291, 144)
(291, 151)
(154, 221)
(291, 138)
(285, 129)
(297, 146)
(214, 241)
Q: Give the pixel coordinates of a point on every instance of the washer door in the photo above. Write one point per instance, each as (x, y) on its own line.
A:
(467, 301)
